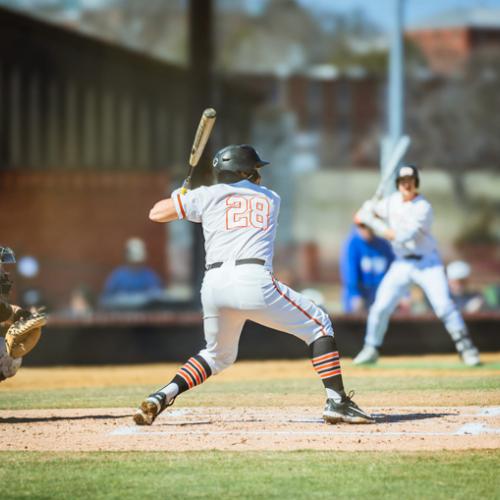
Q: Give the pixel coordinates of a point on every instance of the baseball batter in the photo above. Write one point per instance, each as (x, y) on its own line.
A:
(239, 219)
(405, 219)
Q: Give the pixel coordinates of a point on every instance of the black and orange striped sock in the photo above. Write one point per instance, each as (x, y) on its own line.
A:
(326, 361)
(194, 372)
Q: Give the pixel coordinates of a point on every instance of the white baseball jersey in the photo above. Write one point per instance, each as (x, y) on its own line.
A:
(239, 220)
(411, 221)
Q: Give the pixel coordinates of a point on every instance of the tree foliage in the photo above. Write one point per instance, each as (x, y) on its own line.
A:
(455, 121)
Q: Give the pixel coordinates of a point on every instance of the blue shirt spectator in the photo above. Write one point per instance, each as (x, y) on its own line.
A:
(364, 261)
(133, 285)
(128, 279)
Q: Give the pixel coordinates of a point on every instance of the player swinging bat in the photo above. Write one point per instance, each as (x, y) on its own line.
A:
(239, 218)
(405, 218)
(203, 132)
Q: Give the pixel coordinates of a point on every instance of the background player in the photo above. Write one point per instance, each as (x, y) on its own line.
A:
(405, 219)
(239, 219)
(364, 261)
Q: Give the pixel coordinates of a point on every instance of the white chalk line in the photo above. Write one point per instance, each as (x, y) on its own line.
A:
(488, 411)
(472, 429)
(468, 429)
(475, 429)
(493, 411)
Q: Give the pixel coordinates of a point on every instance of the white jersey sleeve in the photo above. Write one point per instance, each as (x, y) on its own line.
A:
(190, 205)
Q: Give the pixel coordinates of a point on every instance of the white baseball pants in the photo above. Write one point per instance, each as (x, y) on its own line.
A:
(427, 273)
(8, 365)
(233, 294)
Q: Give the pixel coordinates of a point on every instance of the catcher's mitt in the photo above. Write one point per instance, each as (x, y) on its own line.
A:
(23, 335)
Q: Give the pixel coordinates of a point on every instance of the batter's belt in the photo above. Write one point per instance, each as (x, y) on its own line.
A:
(412, 257)
(238, 262)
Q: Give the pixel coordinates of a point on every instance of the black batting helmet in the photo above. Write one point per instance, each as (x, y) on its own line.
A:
(238, 158)
(407, 170)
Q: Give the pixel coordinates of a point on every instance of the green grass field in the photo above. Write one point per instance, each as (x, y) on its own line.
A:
(251, 475)
(254, 393)
(298, 474)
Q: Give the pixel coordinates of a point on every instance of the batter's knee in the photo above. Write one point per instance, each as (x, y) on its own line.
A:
(381, 309)
(444, 310)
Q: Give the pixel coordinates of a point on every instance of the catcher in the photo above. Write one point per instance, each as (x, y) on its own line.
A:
(20, 329)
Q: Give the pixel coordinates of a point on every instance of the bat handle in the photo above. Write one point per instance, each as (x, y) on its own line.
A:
(185, 185)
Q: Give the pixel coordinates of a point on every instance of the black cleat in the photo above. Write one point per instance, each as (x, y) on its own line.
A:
(345, 411)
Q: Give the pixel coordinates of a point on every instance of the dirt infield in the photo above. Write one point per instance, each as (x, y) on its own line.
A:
(402, 429)
(233, 419)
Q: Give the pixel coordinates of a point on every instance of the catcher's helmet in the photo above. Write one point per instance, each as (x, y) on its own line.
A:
(6, 257)
(407, 170)
(237, 158)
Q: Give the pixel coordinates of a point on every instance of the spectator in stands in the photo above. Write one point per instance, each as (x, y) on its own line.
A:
(30, 294)
(492, 297)
(81, 301)
(134, 284)
(364, 260)
(458, 273)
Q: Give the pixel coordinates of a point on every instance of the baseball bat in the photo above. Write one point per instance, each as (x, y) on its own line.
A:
(203, 131)
(391, 165)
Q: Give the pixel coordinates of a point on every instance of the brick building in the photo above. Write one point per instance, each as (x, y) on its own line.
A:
(90, 135)
(448, 39)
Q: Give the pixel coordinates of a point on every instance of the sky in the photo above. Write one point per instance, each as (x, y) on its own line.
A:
(378, 11)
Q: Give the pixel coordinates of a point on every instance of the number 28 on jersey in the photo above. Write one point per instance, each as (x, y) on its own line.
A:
(247, 212)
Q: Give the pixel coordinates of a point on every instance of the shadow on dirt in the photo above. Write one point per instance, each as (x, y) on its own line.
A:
(27, 420)
(408, 417)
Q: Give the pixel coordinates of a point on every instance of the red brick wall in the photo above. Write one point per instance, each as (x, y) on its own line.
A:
(446, 50)
(329, 116)
(297, 98)
(76, 224)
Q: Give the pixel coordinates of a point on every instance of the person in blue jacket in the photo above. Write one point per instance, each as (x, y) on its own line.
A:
(134, 284)
(364, 260)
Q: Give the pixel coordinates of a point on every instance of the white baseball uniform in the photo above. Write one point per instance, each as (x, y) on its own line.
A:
(417, 261)
(239, 221)
(8, 364)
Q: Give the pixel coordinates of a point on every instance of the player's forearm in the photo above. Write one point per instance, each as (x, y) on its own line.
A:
(163, 211)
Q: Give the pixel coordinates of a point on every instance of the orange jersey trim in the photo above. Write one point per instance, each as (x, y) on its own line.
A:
(180, 206)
